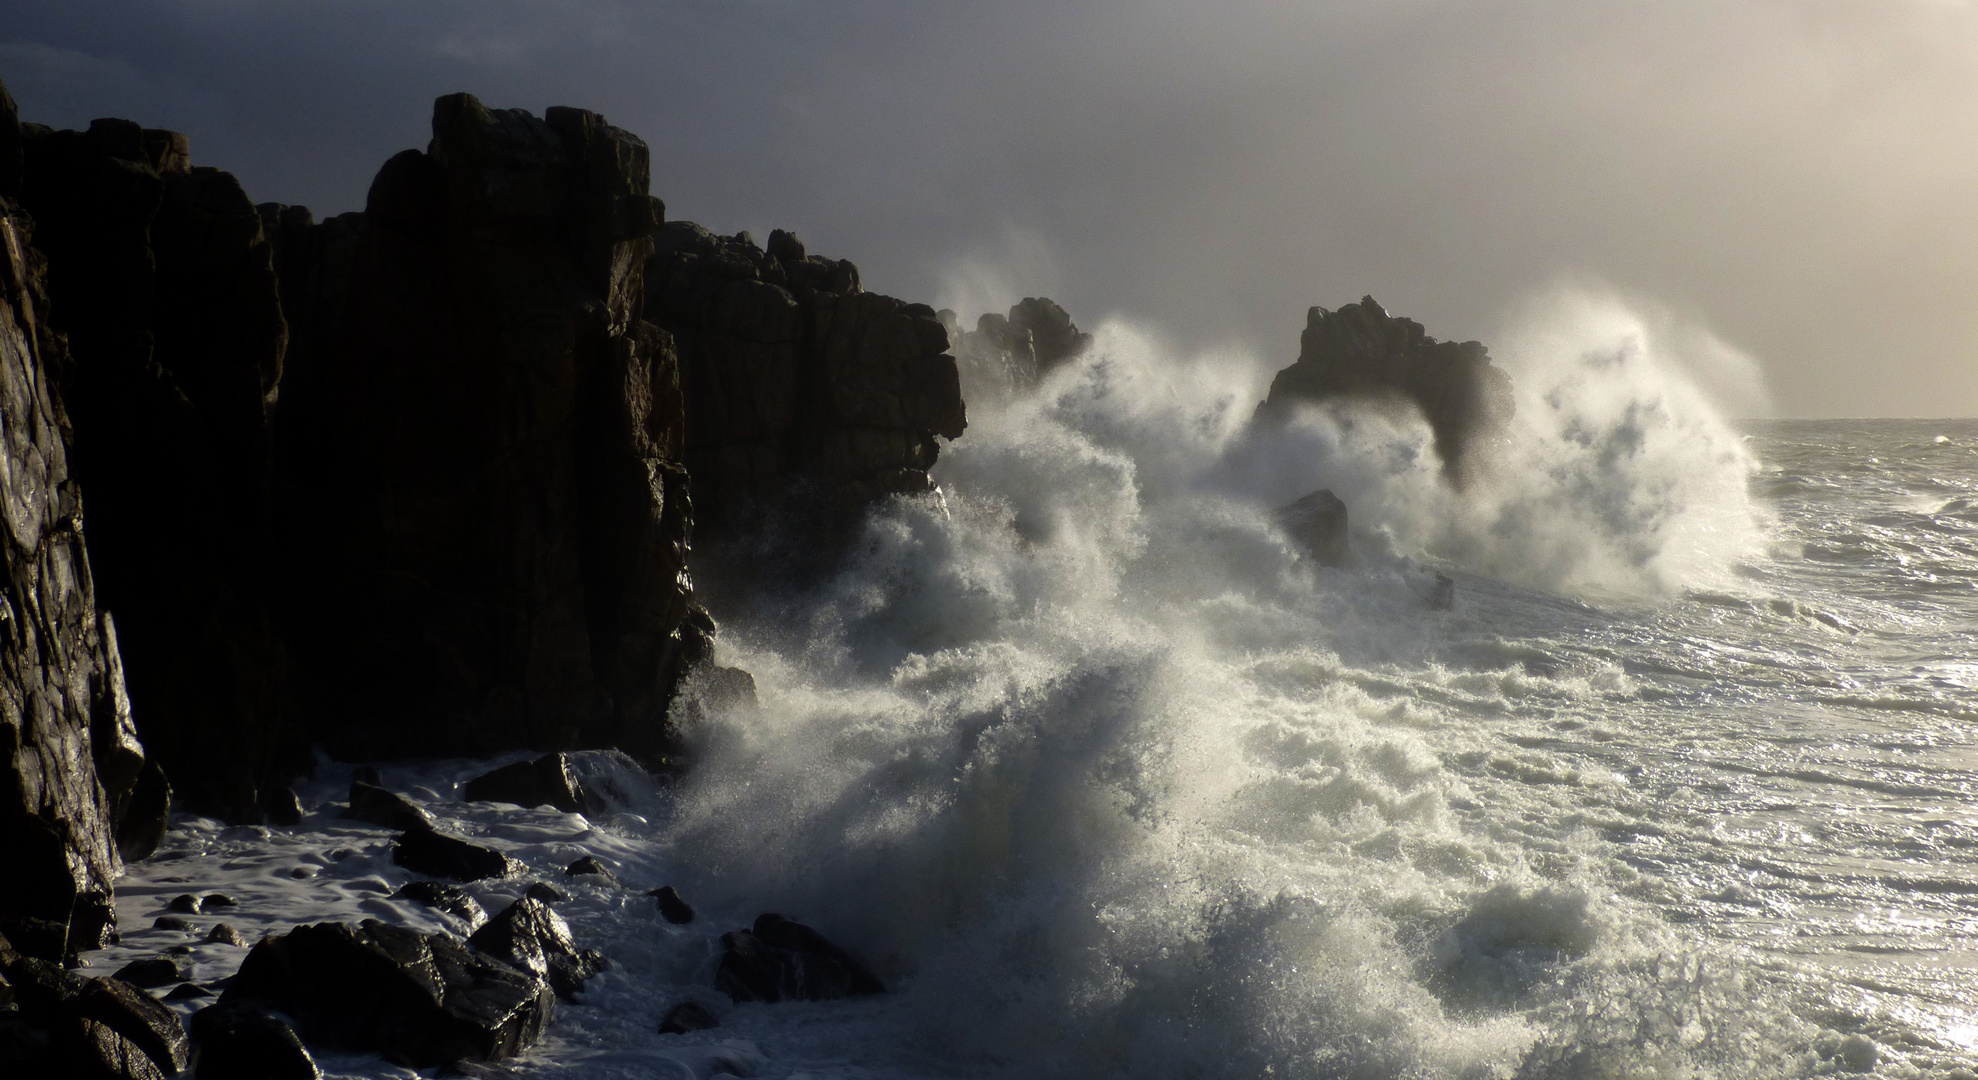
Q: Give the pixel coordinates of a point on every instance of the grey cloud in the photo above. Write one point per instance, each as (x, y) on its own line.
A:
(1795, 177)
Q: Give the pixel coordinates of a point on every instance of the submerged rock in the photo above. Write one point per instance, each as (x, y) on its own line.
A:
(534, 938)
(781, 960)
(687, 1016)
(451, 899)
(436, 854)
(589, 864)
(672, 906)
(546, 781)
(239, 1041)
(156, 971)
(1317, 523)
(420, 999)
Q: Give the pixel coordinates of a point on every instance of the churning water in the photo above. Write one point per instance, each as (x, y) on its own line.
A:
(1105, 780)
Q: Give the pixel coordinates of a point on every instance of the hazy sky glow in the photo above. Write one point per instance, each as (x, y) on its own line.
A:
(1797, 179)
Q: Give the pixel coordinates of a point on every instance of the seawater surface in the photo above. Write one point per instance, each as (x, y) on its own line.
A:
(1106, 780)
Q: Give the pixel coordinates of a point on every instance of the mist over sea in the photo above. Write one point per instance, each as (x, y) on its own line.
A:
(1105, 779)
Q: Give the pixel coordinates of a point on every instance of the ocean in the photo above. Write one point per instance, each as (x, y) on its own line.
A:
(1106, 779)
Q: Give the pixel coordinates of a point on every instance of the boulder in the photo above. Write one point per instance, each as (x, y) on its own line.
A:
(530, 936)
(136, 1016)
(589, 864)
(156, 971)
(544, 891)
(223, 934)
(546, 781)
(436, 854)
(239, 1041)
(387, 808)
(419, 999)
(1317, 523)
(451, 899)
(89, 1050)
(1360, 353)
(781, 960)
(672, 906)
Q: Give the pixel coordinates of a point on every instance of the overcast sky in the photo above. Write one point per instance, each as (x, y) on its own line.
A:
(1798, 178)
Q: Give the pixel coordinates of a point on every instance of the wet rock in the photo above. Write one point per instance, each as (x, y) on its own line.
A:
(451, 899)
(95, 1051)
(239, 1041)
(45, 938)
(155, 971)
(41, 987)
(546, 781)
(1317, 523)
(215, 901)
(687, 1016)
(160, 275)
(281, 805)
(136, 1016)
(589, 864)
(222, 934)
(188, 992)
(781, 960)
(1360, 353)
(534, 938)
(420, 999)
(1054, 337)
(170, 922)
(438, 855)
(367, 774)
(547, 893)
(374, 804)
(68, 747)
(672, 907)
(184, 905)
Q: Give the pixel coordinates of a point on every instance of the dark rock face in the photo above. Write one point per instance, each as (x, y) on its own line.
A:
(796, 378)
(238, 1041)
(544, 781)
(530, 936)
(781, 960)
(1053, 336)
(1362, 353)
(480, 456)
(69, 753)
(161, 277)
(589, 864)
(419, 999)
(1317, 523)
(439, 855)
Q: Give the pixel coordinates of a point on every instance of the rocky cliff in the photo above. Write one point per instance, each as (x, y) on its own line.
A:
(797, 381)
(71, 766)
(481, 486)
(161, 279)
(1362, 353)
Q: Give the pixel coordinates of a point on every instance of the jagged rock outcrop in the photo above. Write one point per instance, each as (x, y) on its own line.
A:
(1361, 353)
(160, 277)
(63, 1024)
(1006, 355)
(69, 753)
(796, 379)
(481, 449)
